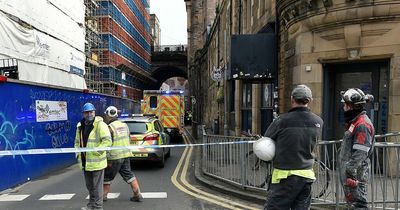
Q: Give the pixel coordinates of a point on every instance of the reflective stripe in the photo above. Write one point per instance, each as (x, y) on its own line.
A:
(119, 138)
(95, 160)
(91, 140)
(361, 147)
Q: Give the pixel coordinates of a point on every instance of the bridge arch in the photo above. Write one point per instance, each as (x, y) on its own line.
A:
(167, 62)
(163, 73)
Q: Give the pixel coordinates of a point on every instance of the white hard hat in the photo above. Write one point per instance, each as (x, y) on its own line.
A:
(111, 111)
(355, 96)
(264, 148)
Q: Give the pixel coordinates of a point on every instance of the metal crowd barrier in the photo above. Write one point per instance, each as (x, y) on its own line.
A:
(236, 164)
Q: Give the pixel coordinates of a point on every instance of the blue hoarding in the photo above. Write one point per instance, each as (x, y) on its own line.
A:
(33, 117)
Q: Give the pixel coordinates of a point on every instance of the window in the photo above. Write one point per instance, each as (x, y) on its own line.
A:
(157, 126)
(267, 95)
(267, 105)
(137, 127)
(160, 126)
(247, 93)
(153, 102)
(246, 107)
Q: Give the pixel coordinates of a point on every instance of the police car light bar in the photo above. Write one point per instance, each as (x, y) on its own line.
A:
(137, 115)
(124, 115)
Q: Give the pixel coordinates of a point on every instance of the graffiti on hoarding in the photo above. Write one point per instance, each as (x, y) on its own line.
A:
(9, 140)
(51, 95)
(58, 131)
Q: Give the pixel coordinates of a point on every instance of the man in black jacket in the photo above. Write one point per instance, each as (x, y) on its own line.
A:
(295, 134)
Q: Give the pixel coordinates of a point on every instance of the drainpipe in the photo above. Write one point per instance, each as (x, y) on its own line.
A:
(238, 88)
(240, 16)
(227, 88)
(276, 60)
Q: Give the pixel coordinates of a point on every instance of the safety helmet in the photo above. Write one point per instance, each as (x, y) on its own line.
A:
(88, 107)
(111, 111)
(355, 96)
(264, 148)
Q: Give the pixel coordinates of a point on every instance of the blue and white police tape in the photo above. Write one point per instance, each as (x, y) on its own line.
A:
(136, 148)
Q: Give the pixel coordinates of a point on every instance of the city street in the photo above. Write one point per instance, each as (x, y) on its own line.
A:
(162, 188)
(228, 104)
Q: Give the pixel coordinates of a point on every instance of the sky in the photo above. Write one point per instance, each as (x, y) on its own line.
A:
(172, 17)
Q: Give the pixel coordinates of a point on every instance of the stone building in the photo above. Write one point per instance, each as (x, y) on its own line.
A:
(325, 44)
(155, 32)
(334, 45)
(227, 105)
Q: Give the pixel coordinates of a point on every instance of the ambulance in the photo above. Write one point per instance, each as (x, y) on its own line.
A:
(169, 107)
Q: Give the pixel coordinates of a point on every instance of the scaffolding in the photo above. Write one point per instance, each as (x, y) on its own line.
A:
(93, 42)
(118, 47)
(9, 68)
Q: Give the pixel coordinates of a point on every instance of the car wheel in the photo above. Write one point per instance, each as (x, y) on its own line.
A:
(161, 162)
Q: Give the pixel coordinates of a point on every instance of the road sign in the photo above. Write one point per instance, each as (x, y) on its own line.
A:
(216, 74)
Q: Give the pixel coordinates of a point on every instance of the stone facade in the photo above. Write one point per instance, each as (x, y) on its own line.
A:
(211, 23)
(317, 34)
(155, 32)
(320, 41)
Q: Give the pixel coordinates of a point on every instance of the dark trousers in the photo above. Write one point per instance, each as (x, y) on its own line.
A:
(291, 193)
(94, 184)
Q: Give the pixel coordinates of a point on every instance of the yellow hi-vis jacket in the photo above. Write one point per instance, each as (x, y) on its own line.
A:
(121, 137)
(99, 137)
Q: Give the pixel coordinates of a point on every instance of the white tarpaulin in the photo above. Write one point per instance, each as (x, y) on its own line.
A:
(47, 75)
(59, 18)
(42, 58)
(74, 9)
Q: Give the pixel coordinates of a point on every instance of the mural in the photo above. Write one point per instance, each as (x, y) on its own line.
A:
(36, 117)
(8, 140)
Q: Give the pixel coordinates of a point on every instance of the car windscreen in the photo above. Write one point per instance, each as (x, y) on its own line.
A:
(137, 127)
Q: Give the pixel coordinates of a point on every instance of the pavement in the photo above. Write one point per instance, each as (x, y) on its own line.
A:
(225, 188)
(218, 185)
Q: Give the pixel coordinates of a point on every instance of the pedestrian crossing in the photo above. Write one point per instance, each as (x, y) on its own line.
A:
(57, 197)
(69, 196)
(7, 197)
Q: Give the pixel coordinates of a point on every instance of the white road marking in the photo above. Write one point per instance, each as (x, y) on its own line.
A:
(50, 197)
(7, 197)
(154, 194)
(109, 196)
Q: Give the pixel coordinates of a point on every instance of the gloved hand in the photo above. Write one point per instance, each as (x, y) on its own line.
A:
(351, 182)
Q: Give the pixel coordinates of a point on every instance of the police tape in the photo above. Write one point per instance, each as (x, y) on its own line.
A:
(136, 148)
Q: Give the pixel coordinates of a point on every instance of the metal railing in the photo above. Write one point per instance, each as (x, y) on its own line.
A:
(236, 164)
(170, 48)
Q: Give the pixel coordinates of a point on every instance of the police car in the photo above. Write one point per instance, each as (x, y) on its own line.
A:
(146, 130)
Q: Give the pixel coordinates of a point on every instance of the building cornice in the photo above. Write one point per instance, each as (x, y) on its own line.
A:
(317, 11)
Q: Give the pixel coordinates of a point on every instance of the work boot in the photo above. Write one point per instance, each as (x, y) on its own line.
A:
(137, 197)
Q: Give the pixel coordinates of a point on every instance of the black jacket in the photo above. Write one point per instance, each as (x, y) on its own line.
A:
(295, 134)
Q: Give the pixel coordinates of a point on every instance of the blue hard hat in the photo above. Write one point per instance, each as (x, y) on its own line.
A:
(88, 107)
